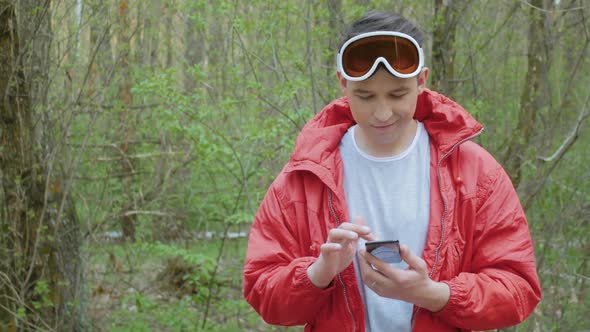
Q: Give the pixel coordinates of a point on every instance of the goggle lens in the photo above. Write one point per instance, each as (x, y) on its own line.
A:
(401, 54)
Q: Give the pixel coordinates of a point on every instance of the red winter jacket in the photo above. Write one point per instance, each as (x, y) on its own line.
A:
(478, 239)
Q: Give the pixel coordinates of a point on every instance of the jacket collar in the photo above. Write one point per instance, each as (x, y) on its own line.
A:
(446, 122)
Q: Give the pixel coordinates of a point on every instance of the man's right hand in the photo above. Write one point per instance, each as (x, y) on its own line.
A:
(338, 252)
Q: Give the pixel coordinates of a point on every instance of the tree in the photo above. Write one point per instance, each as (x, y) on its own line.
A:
(446, 18)
(40, 274)
(531, 98)
(100, 49)
(195, 43)
(126, 128)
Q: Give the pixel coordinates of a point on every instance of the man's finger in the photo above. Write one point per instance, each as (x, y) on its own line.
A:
(369, 237)
(339, 234)
(372, 261)
(415, 263)
(368, 234)
(371, 271)
(357, 228)
(330, 247)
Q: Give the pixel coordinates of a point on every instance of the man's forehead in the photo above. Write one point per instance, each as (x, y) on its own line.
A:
(390, 87)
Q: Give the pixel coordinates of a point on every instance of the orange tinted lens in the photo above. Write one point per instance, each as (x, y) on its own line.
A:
(359, 56)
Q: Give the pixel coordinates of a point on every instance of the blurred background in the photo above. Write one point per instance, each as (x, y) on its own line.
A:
(137, 139)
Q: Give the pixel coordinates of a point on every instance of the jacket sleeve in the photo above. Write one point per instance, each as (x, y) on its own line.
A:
(275, 273)
(502, 288)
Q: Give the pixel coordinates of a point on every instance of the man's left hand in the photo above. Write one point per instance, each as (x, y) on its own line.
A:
(412, 285)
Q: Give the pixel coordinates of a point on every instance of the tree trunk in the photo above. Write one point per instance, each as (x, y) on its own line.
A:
(126, 131)
(40, 266)
(152, 27)
(531, 98)
(195, 44)
(100, 57)
(335, 24)
(169, 28)
(443, 45)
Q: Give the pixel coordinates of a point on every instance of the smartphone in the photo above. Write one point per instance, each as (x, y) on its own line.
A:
(387, 251)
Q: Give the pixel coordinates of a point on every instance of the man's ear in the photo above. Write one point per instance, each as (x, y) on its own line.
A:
(422, 78)
(342, 81)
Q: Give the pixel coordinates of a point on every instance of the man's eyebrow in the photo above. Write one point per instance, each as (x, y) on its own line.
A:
(361, 91)
(400, 89)
(396, 90)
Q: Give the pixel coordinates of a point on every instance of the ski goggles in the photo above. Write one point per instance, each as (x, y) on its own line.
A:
(361, 55)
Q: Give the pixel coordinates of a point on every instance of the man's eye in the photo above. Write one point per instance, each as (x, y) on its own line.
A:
(365, 97)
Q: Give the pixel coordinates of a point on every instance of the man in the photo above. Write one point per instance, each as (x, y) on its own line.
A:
(391, 160)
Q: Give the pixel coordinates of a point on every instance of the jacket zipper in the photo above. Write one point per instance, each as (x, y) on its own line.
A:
(331, 207)
(445, 208)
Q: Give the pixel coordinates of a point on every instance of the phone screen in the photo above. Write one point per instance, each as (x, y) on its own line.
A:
(387, 251)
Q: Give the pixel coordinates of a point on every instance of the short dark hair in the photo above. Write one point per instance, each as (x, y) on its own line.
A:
(382, 21)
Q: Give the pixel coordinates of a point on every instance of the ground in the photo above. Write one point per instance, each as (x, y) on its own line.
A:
(166, 287)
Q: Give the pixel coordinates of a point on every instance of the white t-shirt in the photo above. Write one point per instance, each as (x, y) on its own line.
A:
(392, 194)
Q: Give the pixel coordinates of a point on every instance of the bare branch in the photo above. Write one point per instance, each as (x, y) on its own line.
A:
(553, 10)
(572, 136)
(555, 159)
(152, 213)
(122, 107)
(115, 144)
(139, 156)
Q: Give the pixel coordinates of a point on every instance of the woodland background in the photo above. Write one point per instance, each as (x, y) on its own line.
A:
(137, 139)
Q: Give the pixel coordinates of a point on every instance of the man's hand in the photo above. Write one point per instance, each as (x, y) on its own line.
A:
(412, 285)
(338, 251)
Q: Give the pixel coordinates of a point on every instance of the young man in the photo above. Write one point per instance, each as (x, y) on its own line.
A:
(391, 160)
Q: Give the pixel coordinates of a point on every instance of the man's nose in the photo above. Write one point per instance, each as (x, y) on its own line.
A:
(383, 113)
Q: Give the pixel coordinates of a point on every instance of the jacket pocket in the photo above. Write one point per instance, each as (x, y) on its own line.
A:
(453, 261)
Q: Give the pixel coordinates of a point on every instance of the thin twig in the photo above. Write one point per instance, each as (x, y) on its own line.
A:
(553, 10)
(571, 137)
(562, 151)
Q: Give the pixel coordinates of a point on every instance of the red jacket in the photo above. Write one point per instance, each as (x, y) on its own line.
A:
(478, 239)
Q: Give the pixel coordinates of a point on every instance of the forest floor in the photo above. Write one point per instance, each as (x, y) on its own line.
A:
(134, 289)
